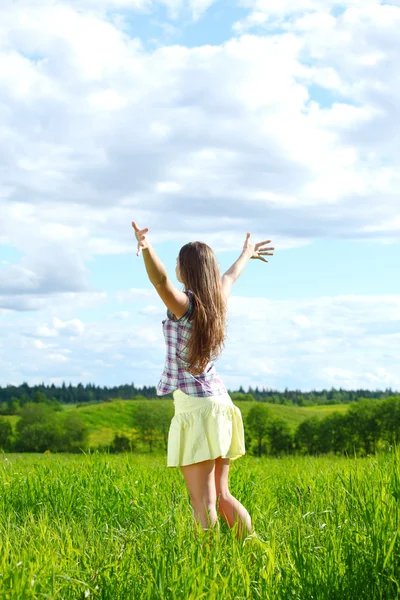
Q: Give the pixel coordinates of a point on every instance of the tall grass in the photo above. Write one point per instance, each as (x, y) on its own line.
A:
(120, 527)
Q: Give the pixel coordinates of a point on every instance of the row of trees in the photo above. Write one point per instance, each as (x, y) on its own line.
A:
(362, 429)
(42, 427)
(14, 397)
(365, 427)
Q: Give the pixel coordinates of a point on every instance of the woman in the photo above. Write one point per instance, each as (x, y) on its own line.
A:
(206, 431)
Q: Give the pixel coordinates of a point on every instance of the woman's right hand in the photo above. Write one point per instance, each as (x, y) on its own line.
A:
(257, 250)
(140, 236)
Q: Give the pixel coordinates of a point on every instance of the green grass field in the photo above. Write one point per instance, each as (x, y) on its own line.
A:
(120, 527)
(106, 419)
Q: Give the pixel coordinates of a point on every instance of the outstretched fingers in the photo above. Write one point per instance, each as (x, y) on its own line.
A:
(137, 230)
(140, 236)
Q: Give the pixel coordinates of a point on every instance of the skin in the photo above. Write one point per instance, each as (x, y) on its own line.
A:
(177, 272)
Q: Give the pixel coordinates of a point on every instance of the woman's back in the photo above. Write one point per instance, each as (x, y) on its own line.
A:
(177, 334)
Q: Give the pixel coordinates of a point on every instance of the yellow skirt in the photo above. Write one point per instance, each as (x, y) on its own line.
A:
(204, 429)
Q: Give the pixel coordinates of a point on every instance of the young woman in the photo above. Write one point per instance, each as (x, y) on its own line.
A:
(206, 432)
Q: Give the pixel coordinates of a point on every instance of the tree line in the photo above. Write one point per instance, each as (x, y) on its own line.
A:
(365, 428)
(12, 398)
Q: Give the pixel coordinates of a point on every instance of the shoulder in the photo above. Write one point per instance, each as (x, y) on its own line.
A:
(174, 299)
(188, 312)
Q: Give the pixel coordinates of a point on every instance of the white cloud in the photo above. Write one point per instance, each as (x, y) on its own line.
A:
(62, 270)
(199, 7)
(52, 302)
(211, 126)
(301, 343)
(58, 358)
(126, 7)
(383, 375)
(72, 328)
(134, 294)
(379, 378)
(312, 342)
(266, 13)
(293, 131)
(42, 345)
(301, 321)
(46, 331)
(154, 310)
(121, 314)
(139, 5)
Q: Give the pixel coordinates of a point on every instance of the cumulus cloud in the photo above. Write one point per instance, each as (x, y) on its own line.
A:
(199, 7)
(303, 344)
(291, 124)
(270, 14)
(184, 131)
(45, 274)
(51, 303)
(315, 342)
(134, 294)
(121, 314)
(72, 328)
(57, 357)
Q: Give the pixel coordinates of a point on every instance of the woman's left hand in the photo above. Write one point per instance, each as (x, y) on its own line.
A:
(140, 236)
(257, 250)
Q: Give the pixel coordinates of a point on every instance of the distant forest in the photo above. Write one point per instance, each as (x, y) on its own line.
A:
(90, 393)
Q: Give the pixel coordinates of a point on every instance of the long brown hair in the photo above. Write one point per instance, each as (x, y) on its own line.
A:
(199, 270)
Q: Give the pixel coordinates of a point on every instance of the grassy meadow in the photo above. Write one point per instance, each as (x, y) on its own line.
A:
(120, 526)
(108, 418)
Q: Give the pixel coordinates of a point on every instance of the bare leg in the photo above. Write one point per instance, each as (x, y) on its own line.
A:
(232, 511)
(199, 478)
(206, 521)
(205, 516)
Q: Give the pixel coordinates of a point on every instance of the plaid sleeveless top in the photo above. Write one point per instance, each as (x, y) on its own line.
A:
(177, 333)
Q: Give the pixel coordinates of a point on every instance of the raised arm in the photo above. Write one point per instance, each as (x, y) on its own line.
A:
(229, 278)
(174, 299)
(249, 251)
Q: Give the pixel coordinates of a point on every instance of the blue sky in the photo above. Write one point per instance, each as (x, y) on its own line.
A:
(201, 120)
(213, 27)
(325, 267)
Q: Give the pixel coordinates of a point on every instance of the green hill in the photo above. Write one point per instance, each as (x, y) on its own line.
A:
(115, 417)
(106, 419)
